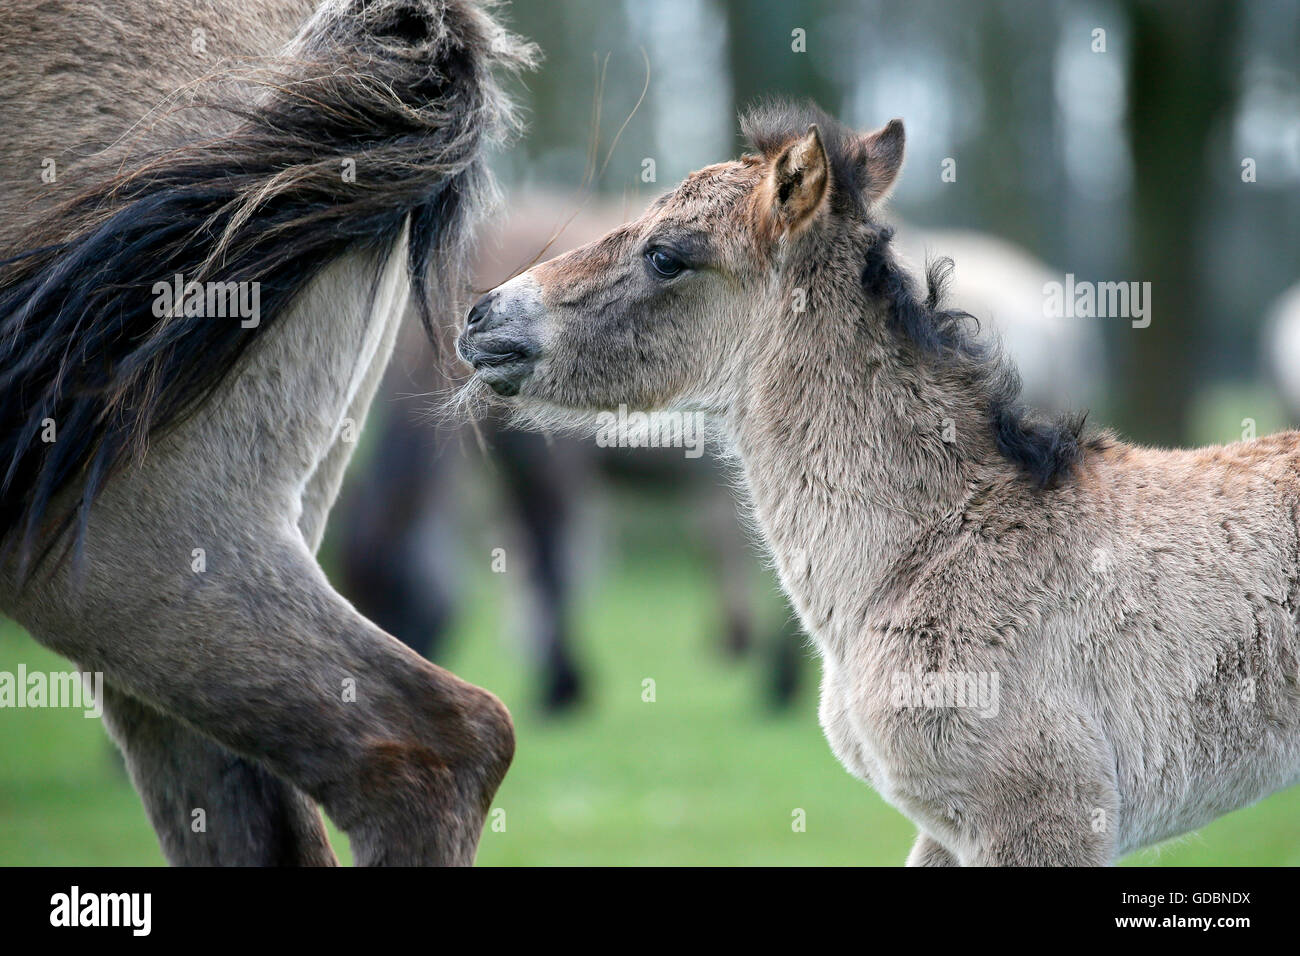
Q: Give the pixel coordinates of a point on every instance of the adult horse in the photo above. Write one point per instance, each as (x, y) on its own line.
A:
(204, 262)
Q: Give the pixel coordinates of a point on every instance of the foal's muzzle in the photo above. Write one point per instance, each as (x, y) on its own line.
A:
(498, 343)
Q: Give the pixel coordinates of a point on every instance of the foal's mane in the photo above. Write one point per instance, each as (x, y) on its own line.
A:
(403, 87)
(1046, 451)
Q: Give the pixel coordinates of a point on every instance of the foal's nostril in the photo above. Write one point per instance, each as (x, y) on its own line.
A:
(482, 309)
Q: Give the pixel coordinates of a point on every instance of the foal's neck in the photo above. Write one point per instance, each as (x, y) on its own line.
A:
(852, 453)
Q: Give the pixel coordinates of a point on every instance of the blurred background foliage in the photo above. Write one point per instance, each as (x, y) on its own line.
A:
(1116, 164)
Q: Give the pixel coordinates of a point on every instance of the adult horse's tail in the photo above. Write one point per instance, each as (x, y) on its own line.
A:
(264, 174)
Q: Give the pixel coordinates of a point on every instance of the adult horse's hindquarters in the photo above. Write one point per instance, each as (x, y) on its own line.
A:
(321, 165)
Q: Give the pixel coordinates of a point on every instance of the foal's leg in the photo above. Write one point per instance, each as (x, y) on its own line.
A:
(928, 852)
(1040, 839)
(1028, 832)
(208, 806)
(1051, 800)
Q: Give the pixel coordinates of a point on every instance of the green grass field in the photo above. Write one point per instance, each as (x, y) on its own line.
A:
(703, 775)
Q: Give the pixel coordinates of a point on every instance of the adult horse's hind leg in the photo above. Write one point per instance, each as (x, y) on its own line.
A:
(252, 648)
(209, 806)
(263, 658)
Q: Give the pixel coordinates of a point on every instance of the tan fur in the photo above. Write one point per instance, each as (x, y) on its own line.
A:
(1139, 613)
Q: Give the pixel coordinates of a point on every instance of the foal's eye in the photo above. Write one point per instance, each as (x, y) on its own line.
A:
(664, 263)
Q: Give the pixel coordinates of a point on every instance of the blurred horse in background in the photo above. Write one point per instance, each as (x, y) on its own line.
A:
(1282, 348)
(398, 516)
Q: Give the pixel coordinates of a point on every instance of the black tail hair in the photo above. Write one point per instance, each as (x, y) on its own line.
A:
(403, 88)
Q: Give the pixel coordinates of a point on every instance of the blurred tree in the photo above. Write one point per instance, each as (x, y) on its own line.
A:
(1012, 163)
(1181, 85)
(592, 64)
(762, 57)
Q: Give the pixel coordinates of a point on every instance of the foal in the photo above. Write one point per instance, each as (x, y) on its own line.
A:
(1043, 648)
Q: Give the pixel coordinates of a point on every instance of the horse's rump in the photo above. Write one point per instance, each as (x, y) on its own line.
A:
(376, 112)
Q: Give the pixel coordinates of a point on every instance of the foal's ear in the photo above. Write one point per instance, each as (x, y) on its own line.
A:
(880, 157)
(798, 182)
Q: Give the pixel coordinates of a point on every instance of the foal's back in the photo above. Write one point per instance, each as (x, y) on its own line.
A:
(1187, 644)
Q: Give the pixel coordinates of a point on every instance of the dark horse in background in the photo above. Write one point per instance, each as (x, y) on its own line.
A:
(166, 467)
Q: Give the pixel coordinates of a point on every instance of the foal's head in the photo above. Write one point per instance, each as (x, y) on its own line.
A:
(749, 281)
(668, 309)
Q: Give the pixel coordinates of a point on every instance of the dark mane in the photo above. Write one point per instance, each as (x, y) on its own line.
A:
(402, 88)
(1047, 451)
